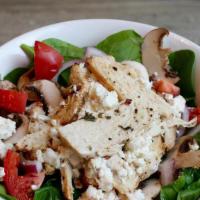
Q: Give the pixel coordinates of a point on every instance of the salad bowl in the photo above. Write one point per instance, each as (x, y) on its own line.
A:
(108, 109)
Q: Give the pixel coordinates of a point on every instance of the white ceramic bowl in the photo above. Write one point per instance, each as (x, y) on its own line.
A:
(86, 33)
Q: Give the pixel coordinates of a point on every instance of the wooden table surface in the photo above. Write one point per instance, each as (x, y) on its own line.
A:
(19, 16)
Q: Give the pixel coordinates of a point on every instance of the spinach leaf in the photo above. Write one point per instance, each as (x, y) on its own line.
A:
(197, 137)
(7, 197)
(191, 101)
(51, 184)
(77, 193)
(183, 62)
(2, 189)
(48, 192)
(191, 193)
(15, 74)
(63, 78)
(67, 50)
(4, 195)
(124, 45)
(29, 51)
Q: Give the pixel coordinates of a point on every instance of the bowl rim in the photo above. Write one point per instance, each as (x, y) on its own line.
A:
(97, 20)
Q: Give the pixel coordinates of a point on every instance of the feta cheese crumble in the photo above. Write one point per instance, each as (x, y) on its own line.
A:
(103, 173)
(8, 127)
(194, 146)
(106, 98)
(49, 156)
(137, 195)
(93, 193)
(2, 173)
(4, 148)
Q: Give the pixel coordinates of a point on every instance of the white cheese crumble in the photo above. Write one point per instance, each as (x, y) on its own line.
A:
(179, 104)
(4, 148)
(140, 153)
(8, 127)
(106, 98)
(34, 187)
(93, 193)
(110, 100)
(194, 146)
(137, 195)
(49, 156)
(2, 173)
(103, 173)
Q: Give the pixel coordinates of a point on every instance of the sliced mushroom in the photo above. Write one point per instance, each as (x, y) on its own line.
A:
(7, 85)
(48, 93)
(151, 189)
(26, 79)
(66, 174)
(183, 157)
(179, 157)
(154, 57)
(21, 130)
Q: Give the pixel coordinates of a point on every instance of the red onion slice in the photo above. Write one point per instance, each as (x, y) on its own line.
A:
(167, 171)
(66, 66)
(185, 117)
(92, 51)
(186, 114)
(32, 166)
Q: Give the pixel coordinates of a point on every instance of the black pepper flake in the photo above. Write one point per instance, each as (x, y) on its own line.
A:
(89, 117)
(125, 128)
(139, 97)
(128, 101)
(116, 111)
(109, 138)
(108, 117)
(129, 74)
(90, 148)
(114, 68)
(136, 111)
(151, 109)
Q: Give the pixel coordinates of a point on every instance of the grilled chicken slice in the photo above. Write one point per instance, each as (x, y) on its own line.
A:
(75, 95)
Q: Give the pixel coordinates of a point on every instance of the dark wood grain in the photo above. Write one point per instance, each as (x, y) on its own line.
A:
(19, 16)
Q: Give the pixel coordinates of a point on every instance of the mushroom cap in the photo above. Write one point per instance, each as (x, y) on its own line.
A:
(48, 93)
(154, 57)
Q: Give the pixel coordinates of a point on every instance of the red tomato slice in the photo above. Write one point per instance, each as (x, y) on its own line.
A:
(19, 186)
(166, 87)
(13, 101)
(194, 112)
(47, 61)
